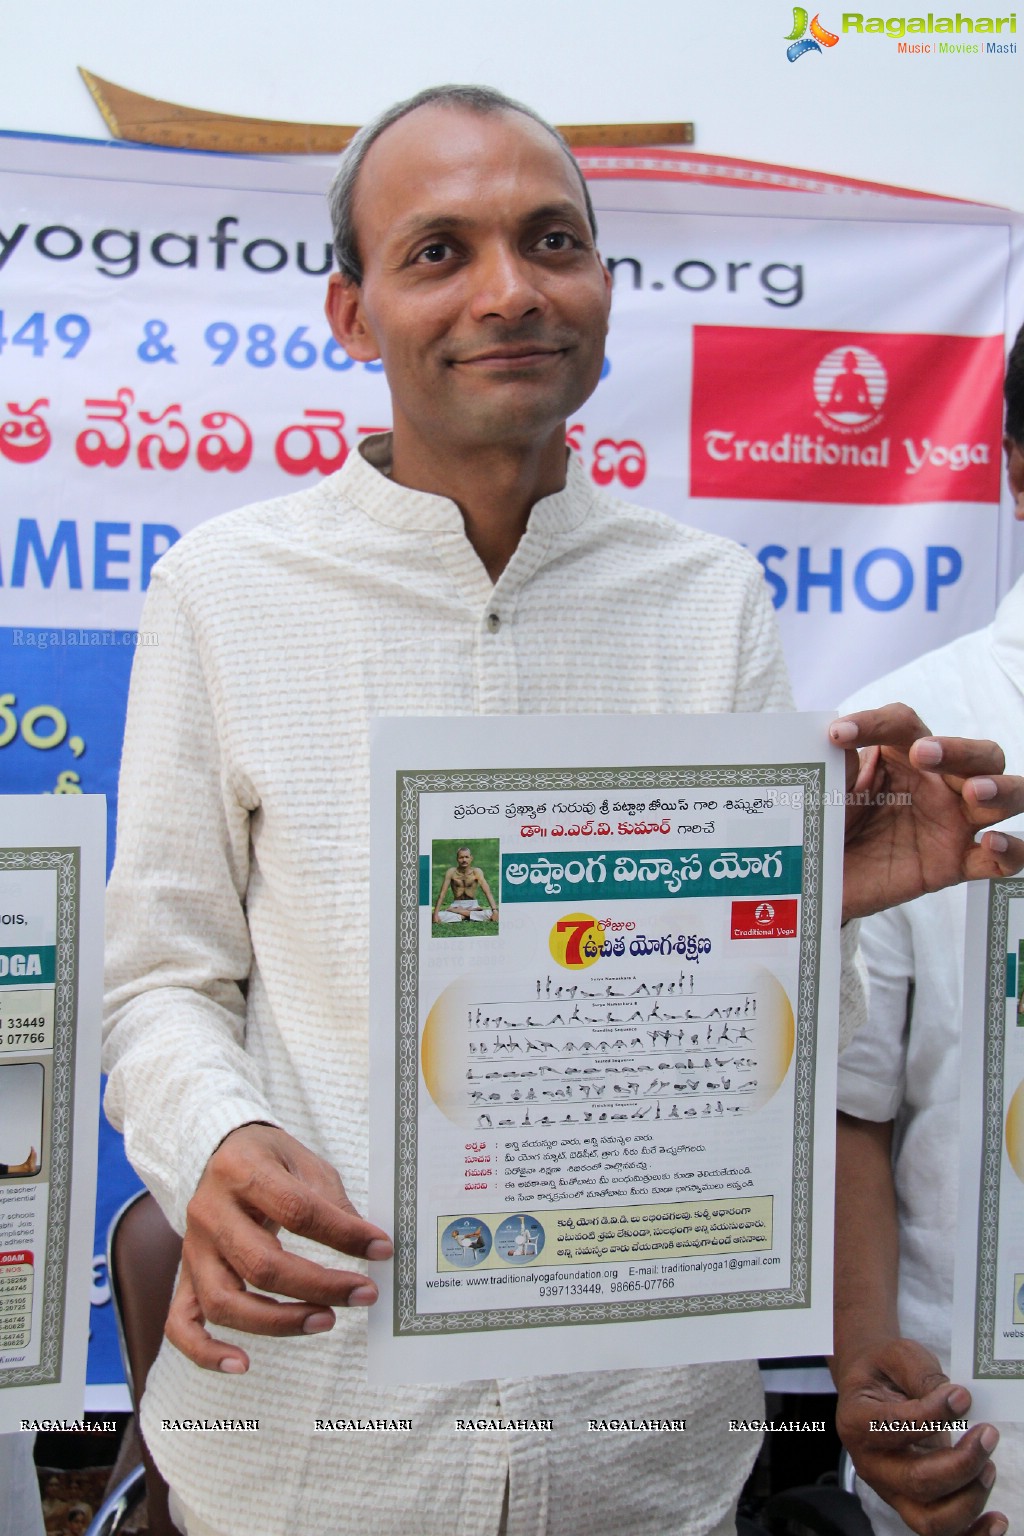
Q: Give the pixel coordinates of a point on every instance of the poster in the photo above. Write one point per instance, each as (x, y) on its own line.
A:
(988, 1314)
(604, 985)
(51, 960)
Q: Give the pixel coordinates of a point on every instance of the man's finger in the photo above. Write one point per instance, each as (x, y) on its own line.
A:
(995, 797)
(948, 1470)
(991, 1523)
(956, 1513)
(272, 1194)
(958, 757)
(246, 1250)
(996, 855)
(894, 725)
(185, 1328)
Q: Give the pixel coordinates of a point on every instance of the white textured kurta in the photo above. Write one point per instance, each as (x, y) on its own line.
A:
(243, 853)
(904, 1064)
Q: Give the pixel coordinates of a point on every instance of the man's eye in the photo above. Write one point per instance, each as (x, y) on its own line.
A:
(433, 254)
(558, 240)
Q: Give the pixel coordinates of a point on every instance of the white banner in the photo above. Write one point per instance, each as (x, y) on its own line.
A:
(164, 356)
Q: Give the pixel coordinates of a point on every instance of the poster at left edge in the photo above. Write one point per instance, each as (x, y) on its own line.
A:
(52, 862)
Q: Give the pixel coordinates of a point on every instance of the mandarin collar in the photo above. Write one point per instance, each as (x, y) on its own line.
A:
(364, 481)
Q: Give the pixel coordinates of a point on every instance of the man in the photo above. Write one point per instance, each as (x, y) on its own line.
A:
(238, 1027)
(899, 1087)
(465, 882)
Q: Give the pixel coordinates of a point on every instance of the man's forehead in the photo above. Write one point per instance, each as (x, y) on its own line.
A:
(437, 146)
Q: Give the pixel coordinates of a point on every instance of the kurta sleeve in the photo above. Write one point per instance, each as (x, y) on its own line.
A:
(763, 679)
(872, 1070)
(178, 950)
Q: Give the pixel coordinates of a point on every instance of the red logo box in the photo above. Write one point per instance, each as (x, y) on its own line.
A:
(838, 416)
(764, 919)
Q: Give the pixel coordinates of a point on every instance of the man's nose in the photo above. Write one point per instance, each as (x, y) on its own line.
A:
(506, 285)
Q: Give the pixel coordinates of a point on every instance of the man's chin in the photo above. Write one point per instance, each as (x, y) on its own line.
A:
(515, 412)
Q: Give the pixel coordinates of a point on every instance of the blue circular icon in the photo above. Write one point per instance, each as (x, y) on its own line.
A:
(466, 1242)
(519, 1239)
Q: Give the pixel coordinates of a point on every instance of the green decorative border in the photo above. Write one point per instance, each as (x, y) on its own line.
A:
(410, 788)
(986, 1366)
(66, 861)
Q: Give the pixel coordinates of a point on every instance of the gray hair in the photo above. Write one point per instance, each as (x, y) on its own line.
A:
(471, 98)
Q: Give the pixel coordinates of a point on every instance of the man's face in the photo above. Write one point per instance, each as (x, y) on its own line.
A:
(464, 858)
(482, 291)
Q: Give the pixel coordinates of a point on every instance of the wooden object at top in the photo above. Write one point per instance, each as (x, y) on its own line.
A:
(144, 120)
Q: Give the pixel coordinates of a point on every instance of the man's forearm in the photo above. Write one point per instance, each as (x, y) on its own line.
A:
(888, 1385)
(867, 1239)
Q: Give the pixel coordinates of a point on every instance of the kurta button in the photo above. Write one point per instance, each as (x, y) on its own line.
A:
(493, 622)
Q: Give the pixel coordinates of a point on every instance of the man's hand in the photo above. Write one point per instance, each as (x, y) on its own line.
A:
(938, 1488)
(258, 1180)
(918, 802)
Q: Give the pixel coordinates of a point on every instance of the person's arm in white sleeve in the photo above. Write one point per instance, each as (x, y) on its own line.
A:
(881, 1377)
(197, 1123)
(763, 680)
(178, 952)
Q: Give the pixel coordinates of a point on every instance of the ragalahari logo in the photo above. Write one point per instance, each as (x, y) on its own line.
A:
(799, 44)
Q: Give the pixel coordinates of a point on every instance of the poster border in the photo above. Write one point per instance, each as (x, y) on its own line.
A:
(411, 786)
(67, 863)
(986, 1366)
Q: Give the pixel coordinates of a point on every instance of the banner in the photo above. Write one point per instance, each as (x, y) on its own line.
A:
(809, 366)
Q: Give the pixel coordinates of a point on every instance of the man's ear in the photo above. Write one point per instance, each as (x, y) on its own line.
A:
(606, 274)
(1015, 471)
(347, 318)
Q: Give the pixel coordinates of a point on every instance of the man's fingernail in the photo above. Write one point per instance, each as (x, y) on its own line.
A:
(379, 1248)
(927, 753)
(319, 1322)
(997, 843)
(362, 1296)
(989, 1439)
(232, 1366)
(1000, 1528)
(958, 1401)
(987, 1475)
(985, 789)
(843, 732)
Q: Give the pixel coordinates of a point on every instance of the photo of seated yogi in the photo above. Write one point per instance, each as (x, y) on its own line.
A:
(470, 899)
(21, 1119)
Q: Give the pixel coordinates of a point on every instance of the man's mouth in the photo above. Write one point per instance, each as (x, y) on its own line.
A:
(530, 354)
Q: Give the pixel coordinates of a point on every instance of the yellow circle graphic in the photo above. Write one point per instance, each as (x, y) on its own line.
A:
(575, 941)
(707, 1039)
(1015, 1131)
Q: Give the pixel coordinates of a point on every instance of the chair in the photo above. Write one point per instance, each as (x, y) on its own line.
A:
(143, 1254)
(821, 1510)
